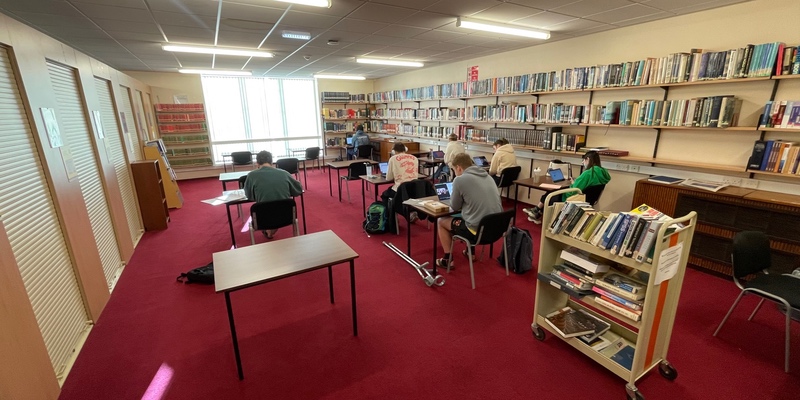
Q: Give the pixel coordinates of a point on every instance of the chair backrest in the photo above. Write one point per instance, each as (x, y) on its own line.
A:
(593, 193)
(287, 164)
(493, 226)
(355, 170)
(312, 153)
(273, 214)
(364, 151)
(750, 253)
(242, 180)
(508, 176)
(242, 158)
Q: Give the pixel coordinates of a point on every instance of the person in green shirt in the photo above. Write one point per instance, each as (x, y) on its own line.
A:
(593, 174)
(268, 183)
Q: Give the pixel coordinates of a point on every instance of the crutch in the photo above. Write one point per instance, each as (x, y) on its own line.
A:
(429, 279)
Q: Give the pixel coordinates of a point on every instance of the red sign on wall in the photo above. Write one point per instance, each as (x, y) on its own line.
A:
(472, 74)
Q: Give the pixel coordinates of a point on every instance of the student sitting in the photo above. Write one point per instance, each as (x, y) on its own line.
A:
(454, 147)
(503, 158)
(269, 184)
(402, 168)
(593, 174)
(475, 195)
(359, 139)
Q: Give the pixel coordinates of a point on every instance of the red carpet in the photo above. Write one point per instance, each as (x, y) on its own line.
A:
(159, 339)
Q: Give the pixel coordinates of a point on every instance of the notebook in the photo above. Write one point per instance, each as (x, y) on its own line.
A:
(350, 141)
(384, 166)
(443, 191)
(480, 161)
(437, 154)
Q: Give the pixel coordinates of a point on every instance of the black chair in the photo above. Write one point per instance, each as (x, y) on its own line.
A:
(273, 215)
(407, 190)
(312, 154)
(364, 151)
(751, 257)
(354, 170)
(241, 158)
(507, 178)
(289, 165)
(593, 193)
(491, 228)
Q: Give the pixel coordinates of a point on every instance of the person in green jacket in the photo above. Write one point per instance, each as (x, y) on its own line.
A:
(268, 183)
(593, 174)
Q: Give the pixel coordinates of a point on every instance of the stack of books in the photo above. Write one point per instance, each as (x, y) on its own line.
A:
(621, 294)
(570, 323)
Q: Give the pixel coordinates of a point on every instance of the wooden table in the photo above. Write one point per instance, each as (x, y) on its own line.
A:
(226, 177)
(338, 166)
(436, 216)
(254, 265)
(376, 180)
(533, 183)
(430, 163)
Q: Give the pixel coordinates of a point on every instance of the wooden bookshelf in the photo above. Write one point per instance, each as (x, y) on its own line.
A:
(154, 150)
(184, 131)
(339, 120)
(148, 181)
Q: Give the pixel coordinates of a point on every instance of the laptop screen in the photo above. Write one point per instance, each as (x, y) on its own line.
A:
(384, 166)
(350, 141)
(443, 190)
(438, 154)
(556, 174)
(479, 161)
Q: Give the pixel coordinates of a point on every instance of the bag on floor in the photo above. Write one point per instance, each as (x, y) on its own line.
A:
(376, 218)
(204, 274)
(520, 251)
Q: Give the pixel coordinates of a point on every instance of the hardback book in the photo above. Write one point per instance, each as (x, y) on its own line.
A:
(601, 342)
(600, 327)
(641, 226)
(570, 323)
(436, 206)
(618, 344)
(624, 356)
(563, 285)
(758, 154)
(625, 312)
(619, 300)
(625, 283)
(584, 260)
(619, 236)
(648, 241)
(664, 179)
(600, 232)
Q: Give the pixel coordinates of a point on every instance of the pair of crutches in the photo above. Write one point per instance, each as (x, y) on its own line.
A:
(426, 275)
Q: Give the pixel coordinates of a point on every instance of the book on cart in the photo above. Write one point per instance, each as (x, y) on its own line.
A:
(619, 284)
(570, 323)
(584, 260)
(600, 327)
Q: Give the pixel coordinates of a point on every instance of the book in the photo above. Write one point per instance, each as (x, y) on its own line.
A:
(623, 282)
(436, 206)
(624, 356)
(705, 185)
(632, 315)
(600, 327)
(759, 148)
(616, 345)
(664, 179)
(648, 241)
(619, 236)
(601, 342)
(563, 285)
(570, 323)
(641, 225)
(584, 260)
(607, 295)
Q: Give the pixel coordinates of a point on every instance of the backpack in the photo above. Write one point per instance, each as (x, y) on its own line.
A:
(520, 251)
(376, 218)
(204, 274)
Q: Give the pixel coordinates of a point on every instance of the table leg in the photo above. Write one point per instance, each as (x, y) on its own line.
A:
(408, 233)
(363, 197)
(339, 181)
(330, 281)
(530, 175)
(303, 206)
(330, 184)
(516, 195)
(353, 296)
(305, 175)
(435, 244)
(376, 193)
(233, 336)
(230, 224)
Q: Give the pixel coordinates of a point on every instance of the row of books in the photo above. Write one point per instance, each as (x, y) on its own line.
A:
(340, 126)
(177, 117)
(551, 138)
(625, 234)
(788, 61)
(195, 107)
(593, 331)
(182, 128)
(344, 113)
(703, 112)
(781, 114)
(178, 139)
(346, 97)
(696, 65)
(775, 156)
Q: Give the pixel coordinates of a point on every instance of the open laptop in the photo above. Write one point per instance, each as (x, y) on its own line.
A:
(443, 191)
(437, 154)
(557, 175)
(384, 166)
(480, 161)
(350, 141)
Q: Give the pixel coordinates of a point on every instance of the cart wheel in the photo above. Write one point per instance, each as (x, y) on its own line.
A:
(667, 370)
(633, 393)
(538, 332)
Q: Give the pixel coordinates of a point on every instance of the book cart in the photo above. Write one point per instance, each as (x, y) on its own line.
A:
(651, 335)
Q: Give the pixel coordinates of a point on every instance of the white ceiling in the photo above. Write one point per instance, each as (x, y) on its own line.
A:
(127, 34)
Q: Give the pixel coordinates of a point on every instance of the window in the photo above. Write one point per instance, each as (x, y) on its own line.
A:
(254, 114)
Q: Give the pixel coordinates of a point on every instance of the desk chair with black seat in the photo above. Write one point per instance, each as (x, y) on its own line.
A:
(289, 165)
(241, 158)
(491, 228)
(593, 193)
(507, 178)
(354, 170)
(415, 189)
(312, 154)
(273, 215)
(364, 151)
(751, 256)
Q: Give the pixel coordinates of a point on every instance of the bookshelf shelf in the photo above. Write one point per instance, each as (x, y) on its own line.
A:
(793, 130)
(795, 76)
(338, 122)
(651, 335)
(177, 120)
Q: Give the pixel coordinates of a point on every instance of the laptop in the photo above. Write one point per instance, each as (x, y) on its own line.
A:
(557, 175)
(443, 191)
(480, 161)
(384, 166)
(437, 154)
(350, 141)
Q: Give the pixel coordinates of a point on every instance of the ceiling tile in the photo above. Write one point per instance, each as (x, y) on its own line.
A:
(378, 39)
(573, 25)
(422, 53)
(195, 7)
(437, 36)
(543, 19)
(340, 8)
(239, 39)
(623, 13)
(114, 12)
(589, 7)
(543, 4)
(399, 31)
(124, 26)
(469, 40)
(506, 12)
(705, 6)
(68, 20)
(51, 7)
(178, 19)
(669, 5)
(447, 46)
(341, 36)
(310, 20)
(428, 20)
(641, 20)
(360, 26)
(381, 13)
(184, 31)
(415, 4)
(460, 8)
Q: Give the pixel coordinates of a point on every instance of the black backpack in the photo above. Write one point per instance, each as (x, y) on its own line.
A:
(376, 218)
(520, 251)
(204, 274)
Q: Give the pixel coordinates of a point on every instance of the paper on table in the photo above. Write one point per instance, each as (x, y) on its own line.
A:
(668, 263)
(227, 197)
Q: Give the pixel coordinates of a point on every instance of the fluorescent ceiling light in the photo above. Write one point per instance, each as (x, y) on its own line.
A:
(462, 22)
(347, 77)
(225, 51)
(314, 3)
(389, 62)
(215, 72)
(295, 35)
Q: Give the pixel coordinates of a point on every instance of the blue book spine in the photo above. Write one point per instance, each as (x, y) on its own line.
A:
(767, 152)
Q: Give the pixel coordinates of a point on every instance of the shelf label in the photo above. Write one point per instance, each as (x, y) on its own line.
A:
(472, 74)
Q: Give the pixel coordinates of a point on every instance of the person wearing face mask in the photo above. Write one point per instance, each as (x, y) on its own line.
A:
(593, 174)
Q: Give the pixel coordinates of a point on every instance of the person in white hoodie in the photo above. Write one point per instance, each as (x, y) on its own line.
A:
(454, 147)
(503, 158)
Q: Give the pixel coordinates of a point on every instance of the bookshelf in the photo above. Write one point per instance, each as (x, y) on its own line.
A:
(184, 131)
(150, 192)
(651, 334)
(341, 112)
(155, 150)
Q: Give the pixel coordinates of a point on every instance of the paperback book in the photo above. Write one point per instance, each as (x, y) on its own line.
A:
(570, 323)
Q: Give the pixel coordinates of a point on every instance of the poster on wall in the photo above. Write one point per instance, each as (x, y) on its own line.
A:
(472, 74)
(51, 125)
